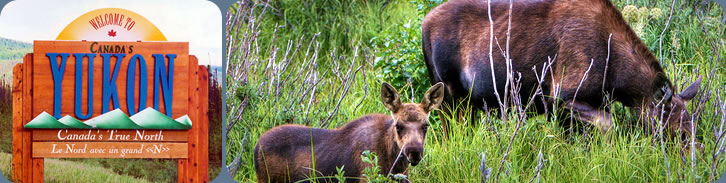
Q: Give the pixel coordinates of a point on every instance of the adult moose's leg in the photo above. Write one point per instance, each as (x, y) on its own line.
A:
(572, 95)
(585, 112)
(446, 109)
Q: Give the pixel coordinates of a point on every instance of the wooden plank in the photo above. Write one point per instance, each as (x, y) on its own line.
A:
(106, 135)
(17, 122)
(181, 168)
(27, 104)
(193, 164)
(204, 124)
(165, 150)
(38, 169)
(44, 79)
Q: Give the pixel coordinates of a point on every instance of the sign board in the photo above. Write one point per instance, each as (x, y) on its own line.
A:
(107, 99)
(125, 75)
(109, 143)
(110, 86)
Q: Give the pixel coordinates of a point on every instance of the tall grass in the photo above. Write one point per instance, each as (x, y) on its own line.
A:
(70, 171)
(215, 126)
(5, 124)
(6, 104)
(304, 72)
(6, 94)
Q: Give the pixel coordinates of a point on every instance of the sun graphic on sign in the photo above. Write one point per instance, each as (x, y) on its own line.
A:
(111, 24)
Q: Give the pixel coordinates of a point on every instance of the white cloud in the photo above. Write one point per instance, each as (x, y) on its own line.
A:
(196, 21)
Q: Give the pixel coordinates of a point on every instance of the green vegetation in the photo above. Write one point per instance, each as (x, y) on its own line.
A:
(69, 171)
(280, 73)
(11, 53)
(13, 50)
(6, 102)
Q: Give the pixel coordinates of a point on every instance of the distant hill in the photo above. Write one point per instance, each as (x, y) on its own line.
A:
(13, 50)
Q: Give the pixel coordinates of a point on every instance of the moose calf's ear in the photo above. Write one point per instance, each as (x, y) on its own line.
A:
(390, 98)
(433, 97)
(691, 91)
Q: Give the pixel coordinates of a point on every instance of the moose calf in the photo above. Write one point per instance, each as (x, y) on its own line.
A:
(290, 153)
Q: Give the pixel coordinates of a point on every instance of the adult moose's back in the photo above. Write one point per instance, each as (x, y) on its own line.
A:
(589, 64)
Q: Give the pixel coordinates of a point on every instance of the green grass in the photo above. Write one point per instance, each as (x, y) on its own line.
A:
(272, 94)
(69, 171)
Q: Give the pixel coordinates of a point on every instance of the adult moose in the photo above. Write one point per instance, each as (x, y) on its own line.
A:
(291, 153)
(589, 65)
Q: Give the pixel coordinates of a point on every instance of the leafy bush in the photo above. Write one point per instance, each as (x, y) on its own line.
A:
(372, 174)
(400, 60)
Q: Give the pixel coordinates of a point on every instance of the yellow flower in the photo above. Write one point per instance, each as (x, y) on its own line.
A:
(675, 41)
(643, 13)
(630, 13)
(656, 13)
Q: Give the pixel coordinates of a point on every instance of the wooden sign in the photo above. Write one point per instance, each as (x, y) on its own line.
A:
(109, 150)
(91, 135)
(109, 143)
(106, 99)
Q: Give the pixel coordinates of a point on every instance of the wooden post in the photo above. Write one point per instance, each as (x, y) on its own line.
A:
(203, 158)
(195, 167)
(25, 167)
(28, 171)
(17, 123)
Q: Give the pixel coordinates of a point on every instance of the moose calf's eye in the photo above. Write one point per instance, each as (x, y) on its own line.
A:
(425, 127)
(399, 128)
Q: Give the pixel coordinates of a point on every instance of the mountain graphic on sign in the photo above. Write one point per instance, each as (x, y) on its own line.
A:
(115, 119)
(185, 120)
(73, 122)
(152, 119)
(148, 118)
(45, 120)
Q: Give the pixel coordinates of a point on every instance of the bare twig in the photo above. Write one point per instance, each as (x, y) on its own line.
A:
(400, 152)
(483, 167)
(346, 85)
(660, 40)
(232, 123)
(584, 76)
(508, 57)
(234, 166)
(540, 164)
(607, 62)
(491, 59)
(720, 108)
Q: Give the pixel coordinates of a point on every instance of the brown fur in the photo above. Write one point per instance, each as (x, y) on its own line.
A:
(573, 32)
(290, 153)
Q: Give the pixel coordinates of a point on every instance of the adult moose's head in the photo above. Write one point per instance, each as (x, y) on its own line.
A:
(671, 108)
(410, 120)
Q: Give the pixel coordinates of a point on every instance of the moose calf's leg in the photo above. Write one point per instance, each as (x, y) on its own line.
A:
(584, 112)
